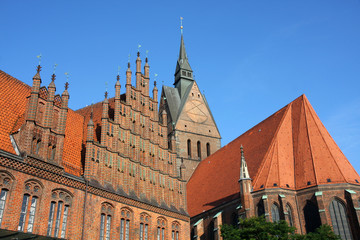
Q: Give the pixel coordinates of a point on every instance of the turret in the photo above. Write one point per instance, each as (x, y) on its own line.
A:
(128, 84)
(245, 185)
(50, 102)
(138, 71)
(117, 100)
(104, 120)
(64, 109)
(33, 101)
(146, 78)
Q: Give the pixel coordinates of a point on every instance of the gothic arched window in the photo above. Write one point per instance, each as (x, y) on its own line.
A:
(289, 215)
(208, 149)
(6, 181)
(189, 148)
(125, 224)
(105, 221)
(175, 231)
(275, 213)
(161, 226)
(29, 206)
(199, 149)
(339, 219)
(59, 212)
(144, 226)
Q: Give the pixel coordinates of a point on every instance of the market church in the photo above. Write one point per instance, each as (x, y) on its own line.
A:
(131, 167)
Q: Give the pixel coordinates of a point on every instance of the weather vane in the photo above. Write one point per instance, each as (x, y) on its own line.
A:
(67, 76)
(55, 65)
(106, 84)
(129, 57)
(139, 46)
(181, 24)
(146, 53)
(39, 57)
(118, 70)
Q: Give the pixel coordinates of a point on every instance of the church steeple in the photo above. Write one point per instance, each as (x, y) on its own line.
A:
(183, 72)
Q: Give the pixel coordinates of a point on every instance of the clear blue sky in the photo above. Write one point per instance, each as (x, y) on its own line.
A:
(250, 57)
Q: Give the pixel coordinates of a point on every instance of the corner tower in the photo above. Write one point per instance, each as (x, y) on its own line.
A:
(189, 119)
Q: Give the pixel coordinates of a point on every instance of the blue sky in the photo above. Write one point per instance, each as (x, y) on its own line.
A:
(251, 58)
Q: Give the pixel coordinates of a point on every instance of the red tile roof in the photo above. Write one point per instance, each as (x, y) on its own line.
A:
(291, 149)
(13, 103)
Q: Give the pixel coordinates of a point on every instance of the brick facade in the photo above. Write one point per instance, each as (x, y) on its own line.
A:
(105, 171)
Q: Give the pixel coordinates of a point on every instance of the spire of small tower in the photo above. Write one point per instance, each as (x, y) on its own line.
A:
(91, 123)
(183, 72)
(244, 173)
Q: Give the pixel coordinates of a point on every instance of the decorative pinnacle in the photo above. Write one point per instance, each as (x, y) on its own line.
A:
(146, 53)
(118, 75)
(38, 69)
(118, 70)
(66, 86)
(92, 111)
(139, 46)
(146, 59)
(106, 94)
(155, 83)
(53, 77)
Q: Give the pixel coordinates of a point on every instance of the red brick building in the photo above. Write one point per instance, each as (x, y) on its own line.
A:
(286, 167)
(102, 172)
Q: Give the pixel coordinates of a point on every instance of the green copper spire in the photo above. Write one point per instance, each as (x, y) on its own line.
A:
(183, 69)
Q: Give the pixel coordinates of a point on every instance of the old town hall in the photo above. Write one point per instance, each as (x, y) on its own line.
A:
(132, 166)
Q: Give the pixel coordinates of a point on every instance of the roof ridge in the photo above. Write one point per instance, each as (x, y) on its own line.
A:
(271, 144)
(14, 78)
(327, 146)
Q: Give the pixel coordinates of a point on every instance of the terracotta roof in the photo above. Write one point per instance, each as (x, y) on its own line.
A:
(97, 115)
(13, 102)
(291, 149)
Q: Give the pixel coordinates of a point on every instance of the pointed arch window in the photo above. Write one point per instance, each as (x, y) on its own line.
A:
(144, 226)
(339, 219)
(29, 206)
(275, 213)
(105, 221)
(199, 149)
(58, 214)
(289, 215)
(161, 223)
(5, 186)
(189, 148)
(125, 224)
(208, 149)
(175, 231)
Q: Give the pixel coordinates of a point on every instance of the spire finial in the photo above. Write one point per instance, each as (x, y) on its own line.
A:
(39, 57)
(138, 52)
(53, 76)
(181, 25)
(106, 94)
(67, 81)
(92, 111)
(146, 56)
(129, 60)
(118, 74)
(154, 83)
(38, 69)
(106, 84)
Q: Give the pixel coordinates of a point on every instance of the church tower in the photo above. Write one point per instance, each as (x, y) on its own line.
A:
(189, 119)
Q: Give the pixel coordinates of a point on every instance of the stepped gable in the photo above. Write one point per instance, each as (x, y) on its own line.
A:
(13, 102)
(97, 115)
(291, 149)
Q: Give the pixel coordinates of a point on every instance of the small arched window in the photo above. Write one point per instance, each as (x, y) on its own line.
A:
(208, 149)
(161, 223)
(275, 214)
(289, 215)
(6, 181)
(144, 226)
(199, 149)
(189, 148)
(339, 219)
(175, 231)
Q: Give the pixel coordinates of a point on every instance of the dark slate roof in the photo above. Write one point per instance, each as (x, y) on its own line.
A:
(173, 100)
(182, 62)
